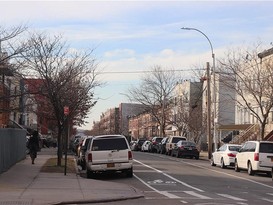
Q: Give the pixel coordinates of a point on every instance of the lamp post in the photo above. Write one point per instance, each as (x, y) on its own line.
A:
(214, 85)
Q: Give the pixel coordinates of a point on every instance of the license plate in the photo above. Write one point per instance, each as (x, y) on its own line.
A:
(110, 165)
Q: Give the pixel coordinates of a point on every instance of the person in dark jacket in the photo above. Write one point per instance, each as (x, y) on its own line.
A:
(33, 146)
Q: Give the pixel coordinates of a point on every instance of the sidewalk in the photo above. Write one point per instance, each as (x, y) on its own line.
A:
(25, 184)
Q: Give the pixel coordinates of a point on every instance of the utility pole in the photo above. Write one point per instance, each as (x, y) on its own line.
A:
(209, 113)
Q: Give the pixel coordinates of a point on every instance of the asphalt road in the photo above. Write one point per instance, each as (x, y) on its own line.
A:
(170, 180)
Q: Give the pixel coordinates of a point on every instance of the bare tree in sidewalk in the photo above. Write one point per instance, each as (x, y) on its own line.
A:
(155, 92)
(252, 79)
(69, 79)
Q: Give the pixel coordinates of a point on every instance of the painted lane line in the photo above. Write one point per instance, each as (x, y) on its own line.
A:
(192, 193)
(269, 200)
(165, 193)
(270, 194)
(231, 197)
(167, 175)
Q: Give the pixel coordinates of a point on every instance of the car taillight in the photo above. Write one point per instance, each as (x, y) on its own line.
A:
(231, 155)
(89, 157)
(256, 156)
(181, 147)
(130, 155)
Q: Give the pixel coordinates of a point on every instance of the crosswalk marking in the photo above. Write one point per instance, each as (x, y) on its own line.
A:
(231, 197)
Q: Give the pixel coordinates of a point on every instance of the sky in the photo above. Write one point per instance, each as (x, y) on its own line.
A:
(130, 37)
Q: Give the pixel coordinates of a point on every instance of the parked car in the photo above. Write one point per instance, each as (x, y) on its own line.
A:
(162, 145)
(225, 155)
(154, 146)
(133, 145)
(81, 157)
(185, 149)
(171, 141)
(145, 146)
(108, 153)
(255, 156)
(139, 143)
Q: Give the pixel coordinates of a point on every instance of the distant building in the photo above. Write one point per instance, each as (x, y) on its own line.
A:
(116, 120)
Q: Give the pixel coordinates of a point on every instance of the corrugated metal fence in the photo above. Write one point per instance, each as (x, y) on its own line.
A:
(12, 147)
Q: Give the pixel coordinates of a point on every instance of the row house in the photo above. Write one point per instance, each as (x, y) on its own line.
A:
(10, 93)
(257, 105)
(144, 126)
(116, 120)
(21, 105)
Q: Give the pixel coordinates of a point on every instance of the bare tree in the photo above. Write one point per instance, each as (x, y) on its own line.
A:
(69, 79)
(155, 92)
(252, 80)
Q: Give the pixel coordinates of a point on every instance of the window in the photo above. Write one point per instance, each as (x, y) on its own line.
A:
(266, 148)
(109, 144)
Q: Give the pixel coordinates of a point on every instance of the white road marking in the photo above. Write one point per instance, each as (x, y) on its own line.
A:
(220, 172)
(159, 171)
(269, 200)
(165, 193)
(270, 194)
(192, 193)
(231, 197)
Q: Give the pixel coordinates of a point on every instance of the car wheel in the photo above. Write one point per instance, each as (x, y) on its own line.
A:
(223, 166)
(89, 174)
(236, 167)
(249, 169)
(129, 173)
(212, 162)
(177, 154)
(196, 157)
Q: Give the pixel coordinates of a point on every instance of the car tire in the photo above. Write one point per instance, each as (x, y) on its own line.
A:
(129, 173)
(236, 167)
(249, 169)
(196, 157)
(177, 154)
(223, 166)
(89, 174)
(212, 162)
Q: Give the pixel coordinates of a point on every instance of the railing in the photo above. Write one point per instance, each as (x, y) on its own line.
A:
(251, 133)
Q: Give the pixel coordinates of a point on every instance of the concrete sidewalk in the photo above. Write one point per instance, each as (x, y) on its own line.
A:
(25, 184)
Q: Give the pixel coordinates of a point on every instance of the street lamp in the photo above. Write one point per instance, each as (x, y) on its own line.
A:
(214, 85)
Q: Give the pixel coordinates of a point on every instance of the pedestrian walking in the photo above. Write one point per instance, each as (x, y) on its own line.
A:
(33, 146)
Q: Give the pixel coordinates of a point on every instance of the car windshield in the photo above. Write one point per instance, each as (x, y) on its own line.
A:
(176, 139)
(234, 148)
(266, 148)
(109, 144)
(158, 139)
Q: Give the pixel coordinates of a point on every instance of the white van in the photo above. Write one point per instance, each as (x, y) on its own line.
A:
(108, 153)
(255, 156)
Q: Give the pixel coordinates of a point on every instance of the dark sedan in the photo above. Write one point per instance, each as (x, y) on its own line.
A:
(185, 149)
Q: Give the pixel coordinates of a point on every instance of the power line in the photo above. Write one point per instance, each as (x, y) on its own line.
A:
(144, 71)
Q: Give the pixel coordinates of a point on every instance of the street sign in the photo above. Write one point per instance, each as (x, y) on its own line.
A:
(66, 110)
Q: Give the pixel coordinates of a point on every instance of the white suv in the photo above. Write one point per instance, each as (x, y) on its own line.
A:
(108, 153)
(171, 141)
(255, 156)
